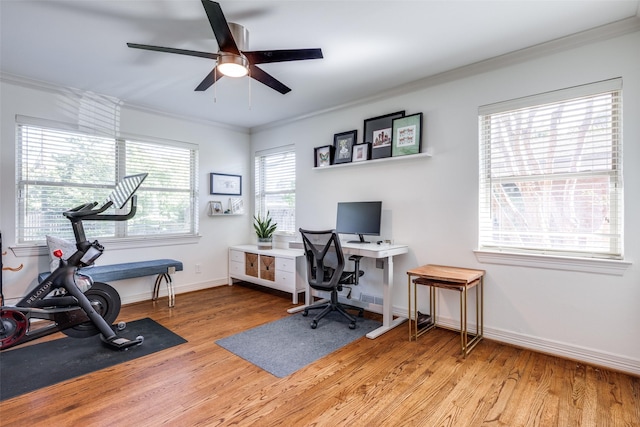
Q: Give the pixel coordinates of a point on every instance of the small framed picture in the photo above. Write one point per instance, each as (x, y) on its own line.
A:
(343, 146)
(221, 183)
(323, 156)
(361, 152)
(215, 208)
(237, 206)
(407, 135)
(378, 131)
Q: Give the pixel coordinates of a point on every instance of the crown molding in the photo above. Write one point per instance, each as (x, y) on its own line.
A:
(59, 89)
(601, 33)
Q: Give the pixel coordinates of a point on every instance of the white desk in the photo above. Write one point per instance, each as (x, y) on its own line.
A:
(372, 250)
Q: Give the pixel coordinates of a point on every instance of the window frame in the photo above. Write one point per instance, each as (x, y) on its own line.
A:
(120, 238)
(260, 186)
(544, 257)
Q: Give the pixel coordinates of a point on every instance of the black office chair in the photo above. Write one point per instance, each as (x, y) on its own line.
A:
(325, 272)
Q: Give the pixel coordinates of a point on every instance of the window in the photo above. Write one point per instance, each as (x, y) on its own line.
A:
(275, 186)
(58, 169)
(551, 173)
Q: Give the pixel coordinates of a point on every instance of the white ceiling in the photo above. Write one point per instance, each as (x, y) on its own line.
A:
(369, 47)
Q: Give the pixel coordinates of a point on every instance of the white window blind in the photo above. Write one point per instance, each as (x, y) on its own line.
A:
(60, 168)
(551, 173)
(275, 186)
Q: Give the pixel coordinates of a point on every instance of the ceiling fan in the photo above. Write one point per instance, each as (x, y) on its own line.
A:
(231, 59)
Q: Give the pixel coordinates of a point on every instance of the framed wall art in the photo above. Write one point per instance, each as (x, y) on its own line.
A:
(323, 156)
(343, 146)
(378, 132)
(221, 183)
(236, 206)
(407, 135)
(215, 208)
(361, 152)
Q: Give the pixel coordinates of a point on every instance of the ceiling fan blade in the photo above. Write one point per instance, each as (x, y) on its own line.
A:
(220, 27)
(267, 56)
(211, 78)
(172, 50)
(265, 78)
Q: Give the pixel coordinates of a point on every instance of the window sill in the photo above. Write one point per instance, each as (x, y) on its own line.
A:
(585, 265)
(115, 244)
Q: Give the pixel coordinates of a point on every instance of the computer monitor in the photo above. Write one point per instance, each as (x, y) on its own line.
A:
(361, 218)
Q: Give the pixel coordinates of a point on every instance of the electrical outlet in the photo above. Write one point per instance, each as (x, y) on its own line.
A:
(198, 268)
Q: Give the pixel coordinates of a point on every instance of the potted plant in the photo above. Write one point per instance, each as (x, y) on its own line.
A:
(265, 227)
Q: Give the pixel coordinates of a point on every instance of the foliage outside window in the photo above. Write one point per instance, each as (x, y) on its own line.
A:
(551, 173)
(59, 169)
(275, 186)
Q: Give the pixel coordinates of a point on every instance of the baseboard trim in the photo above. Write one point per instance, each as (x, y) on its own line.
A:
(146, 296)
(555, 348)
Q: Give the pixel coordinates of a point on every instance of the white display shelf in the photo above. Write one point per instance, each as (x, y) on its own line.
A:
(369, 162)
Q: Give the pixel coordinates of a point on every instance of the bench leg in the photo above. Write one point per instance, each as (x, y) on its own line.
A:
(170, 291)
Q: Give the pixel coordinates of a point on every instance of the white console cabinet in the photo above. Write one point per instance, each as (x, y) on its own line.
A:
(281, 269)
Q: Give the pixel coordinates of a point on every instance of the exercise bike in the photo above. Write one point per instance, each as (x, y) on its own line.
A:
(60, 299)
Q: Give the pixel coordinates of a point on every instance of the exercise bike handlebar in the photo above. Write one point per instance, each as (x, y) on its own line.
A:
(87, 212)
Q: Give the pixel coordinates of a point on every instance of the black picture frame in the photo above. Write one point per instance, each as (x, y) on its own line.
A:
(343, 146)
(379, 132)
(361, 152)
(222, 183)
(323, 156)
(407, 135)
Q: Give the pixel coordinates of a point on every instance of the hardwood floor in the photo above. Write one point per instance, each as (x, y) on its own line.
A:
(388, 381)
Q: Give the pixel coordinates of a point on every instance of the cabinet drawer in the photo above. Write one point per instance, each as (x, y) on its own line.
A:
(267, 267)
(286, 264)
(286, 280)
(236, 256)
(251, 264)
(236, 269)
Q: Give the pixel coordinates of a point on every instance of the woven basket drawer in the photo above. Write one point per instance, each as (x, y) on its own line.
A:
(251, 264)
(267, 268)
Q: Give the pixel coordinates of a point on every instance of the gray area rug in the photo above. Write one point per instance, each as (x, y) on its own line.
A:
(286, 345)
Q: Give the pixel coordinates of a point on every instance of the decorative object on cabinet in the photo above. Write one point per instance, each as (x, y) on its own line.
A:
(378, 131)
(215, 208)
(265, 227)
(236, 206)
(323, 156)
(343, 146)
(407, 135)
(361, 152)
(221, 183)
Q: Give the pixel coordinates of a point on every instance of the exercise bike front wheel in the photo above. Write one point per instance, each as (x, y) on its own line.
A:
(106, 301)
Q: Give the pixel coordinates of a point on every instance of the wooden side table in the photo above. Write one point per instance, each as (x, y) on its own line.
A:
(452, 278)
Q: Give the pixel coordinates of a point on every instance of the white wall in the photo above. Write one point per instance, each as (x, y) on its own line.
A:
(221, 149)
(431, 203)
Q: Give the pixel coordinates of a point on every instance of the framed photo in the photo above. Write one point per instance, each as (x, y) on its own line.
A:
(236, 206)
(221, 183)
(361, 152)
(343, 146)
(407, 135)
(323, 156)
(378, 132)
(215, 208)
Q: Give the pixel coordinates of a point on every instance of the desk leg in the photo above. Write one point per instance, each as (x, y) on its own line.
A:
(388, 322)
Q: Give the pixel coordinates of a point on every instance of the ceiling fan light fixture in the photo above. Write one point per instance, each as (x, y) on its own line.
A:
(232, 65)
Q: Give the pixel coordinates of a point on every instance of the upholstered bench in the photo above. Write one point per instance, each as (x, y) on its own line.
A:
(164, 268)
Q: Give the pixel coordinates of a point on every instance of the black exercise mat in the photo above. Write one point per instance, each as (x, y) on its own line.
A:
(25, 369)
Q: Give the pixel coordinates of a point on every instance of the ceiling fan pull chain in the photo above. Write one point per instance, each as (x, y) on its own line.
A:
(249, 89)
(215, 79)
